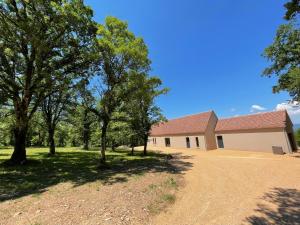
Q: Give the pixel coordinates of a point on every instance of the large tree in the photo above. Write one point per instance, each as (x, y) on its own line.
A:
(141, 108)
(42, 44)
(284, 54)
(121, 52)
(84, 118)
(54, 109)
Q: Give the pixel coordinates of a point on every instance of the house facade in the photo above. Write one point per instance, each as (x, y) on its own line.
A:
(266, 132)
(258, 132)
(194, 131)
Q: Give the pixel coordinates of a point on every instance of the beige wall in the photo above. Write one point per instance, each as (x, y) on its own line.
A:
(210, 132)
(179, 141)
(256, 141)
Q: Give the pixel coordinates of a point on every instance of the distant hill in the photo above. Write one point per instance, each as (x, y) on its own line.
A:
(296, 126)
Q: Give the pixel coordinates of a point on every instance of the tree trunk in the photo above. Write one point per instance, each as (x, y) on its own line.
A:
(51, 141)
(86, 131)
(113, 145)
(103, 142)
(86, 144)
(145, 144)
(132, 149)
(19, 154)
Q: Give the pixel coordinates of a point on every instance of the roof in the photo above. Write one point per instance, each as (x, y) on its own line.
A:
(193, 124)
(276, 119)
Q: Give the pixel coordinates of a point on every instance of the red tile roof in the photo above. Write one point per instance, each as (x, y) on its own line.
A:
(193, 124)
(276, 119)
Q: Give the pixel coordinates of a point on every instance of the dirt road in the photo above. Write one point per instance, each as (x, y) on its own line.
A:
(234, 187)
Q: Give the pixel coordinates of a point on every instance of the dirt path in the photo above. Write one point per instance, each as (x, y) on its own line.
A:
(230, 187)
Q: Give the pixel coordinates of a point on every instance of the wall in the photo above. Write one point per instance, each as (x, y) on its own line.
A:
(179, 141)
(210, 132)
(255, 140)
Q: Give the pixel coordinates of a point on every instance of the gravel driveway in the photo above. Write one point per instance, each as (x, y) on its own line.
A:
(233, 187)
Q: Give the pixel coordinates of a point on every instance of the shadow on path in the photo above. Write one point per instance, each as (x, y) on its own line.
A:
(80, 167)
(285, 212)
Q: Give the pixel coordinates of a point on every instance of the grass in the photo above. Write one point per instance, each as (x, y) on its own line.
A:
(165, 195)
(171, 182)
(170, 198)
(73, 165)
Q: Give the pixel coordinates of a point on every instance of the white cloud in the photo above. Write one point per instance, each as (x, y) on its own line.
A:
(257, 108)
(293, 109)
(232, 109)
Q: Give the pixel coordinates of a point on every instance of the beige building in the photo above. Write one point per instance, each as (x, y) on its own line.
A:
(268, 132)
(194, 131)
(265, 132)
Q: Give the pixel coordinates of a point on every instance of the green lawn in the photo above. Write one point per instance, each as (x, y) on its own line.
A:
(72, 165)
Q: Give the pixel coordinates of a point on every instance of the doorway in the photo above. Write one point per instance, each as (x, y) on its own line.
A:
(220, 142)
(292, 142)
(168, 142)
(197, 142)
(188, 144)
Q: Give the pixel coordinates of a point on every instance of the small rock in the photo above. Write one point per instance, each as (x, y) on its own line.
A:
(17, 214)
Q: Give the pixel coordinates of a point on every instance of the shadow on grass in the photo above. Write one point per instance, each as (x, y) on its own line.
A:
(285, 212)
(80, 167)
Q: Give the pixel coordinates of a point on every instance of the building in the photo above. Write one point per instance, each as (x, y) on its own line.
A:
(195, 131)
(267, 132)
(257, 132)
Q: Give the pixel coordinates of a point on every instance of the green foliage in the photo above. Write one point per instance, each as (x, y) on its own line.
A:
(43, 44)
(284, 54)
(293, 8)
(141, 108)
(121, 53)
(48, 51)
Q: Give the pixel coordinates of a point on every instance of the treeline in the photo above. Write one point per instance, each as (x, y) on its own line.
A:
(67, 80)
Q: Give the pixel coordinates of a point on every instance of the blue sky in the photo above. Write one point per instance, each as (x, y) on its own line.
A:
(207, 52)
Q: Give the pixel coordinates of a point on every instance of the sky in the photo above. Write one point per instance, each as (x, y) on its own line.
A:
(209, 53)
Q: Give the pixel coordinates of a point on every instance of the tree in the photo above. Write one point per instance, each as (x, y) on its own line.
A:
(37, 134)
(119, 131)
(284, 53)
(121, 52)
(6, 126)
(53, 108)
(85, 117)
(292, 9)
(42, 44)
(143, 113)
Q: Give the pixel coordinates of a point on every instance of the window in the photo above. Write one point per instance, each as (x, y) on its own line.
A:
(154, 141)
(188, 144)
(167, 142)
(197, 142)
(220, 142)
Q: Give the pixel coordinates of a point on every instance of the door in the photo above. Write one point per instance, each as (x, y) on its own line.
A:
(292, 142)
(220, 142)
(197, 142)
(167, 142)
(188, 145)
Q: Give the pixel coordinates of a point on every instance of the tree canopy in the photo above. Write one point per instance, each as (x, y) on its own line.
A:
(284, 54)
(292, 9)
(51, 51)
(42, 45)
